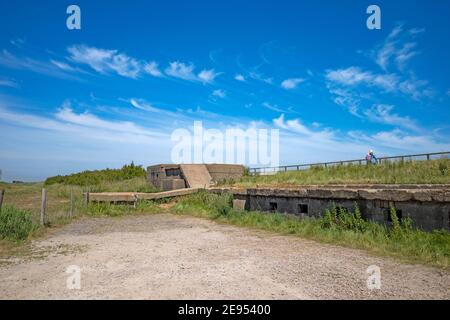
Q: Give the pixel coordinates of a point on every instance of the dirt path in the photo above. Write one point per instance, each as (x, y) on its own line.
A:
(172, 257)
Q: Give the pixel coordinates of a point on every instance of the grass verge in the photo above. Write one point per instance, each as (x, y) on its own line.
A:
(340, 228)
(116, 210)
(408, 172)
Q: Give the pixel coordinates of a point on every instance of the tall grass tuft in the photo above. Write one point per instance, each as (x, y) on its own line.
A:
(16, 224)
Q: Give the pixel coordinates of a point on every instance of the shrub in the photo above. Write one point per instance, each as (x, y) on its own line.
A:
(90, 178)
(16, 224)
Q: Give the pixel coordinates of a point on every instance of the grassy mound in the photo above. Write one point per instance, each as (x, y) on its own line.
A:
(408, 172)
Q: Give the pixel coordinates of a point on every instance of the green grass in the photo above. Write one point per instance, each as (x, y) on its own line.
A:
(340, 228)
(117, 210)
(408, 172)
(27, 196)
(16, 224)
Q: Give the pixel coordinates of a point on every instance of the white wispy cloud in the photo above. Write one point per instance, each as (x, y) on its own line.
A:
(12, 61)
(276, 108)
(400, 141)
(346, 98)
(219, 93)
(105, 61)
(296, 125)
(185, 71)
(383, 114)
(350, 86)
(343, 145)
(153, 69)
(353, 76)
(260, 77)
(181, 70)
(85, 124)
(239, 77)
(398, 48)
(144, 105)
(8, 83)
(18, 42)
(291, 83)
(207, 76)
(86, 119)
(63, 65)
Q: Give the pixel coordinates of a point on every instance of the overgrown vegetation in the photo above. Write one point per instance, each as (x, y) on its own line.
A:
(337, 226)
(96, 177)
(16, 224)
(430, 172)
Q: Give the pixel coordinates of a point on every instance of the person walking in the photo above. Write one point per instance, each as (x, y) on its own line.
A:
(371, 158)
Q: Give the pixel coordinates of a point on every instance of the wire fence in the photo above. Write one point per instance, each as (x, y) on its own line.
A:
(297, 167)
(50, 205)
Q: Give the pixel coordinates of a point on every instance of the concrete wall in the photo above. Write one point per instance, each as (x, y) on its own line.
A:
(172, 184)
(221, 172)
(157, 175)
(428, 215)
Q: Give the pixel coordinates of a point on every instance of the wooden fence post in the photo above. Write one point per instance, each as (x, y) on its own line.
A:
(2, 193)
(86, 198)
(43, 205)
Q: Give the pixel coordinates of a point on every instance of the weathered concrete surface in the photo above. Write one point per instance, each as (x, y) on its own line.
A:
(196, 175)
(177, 257)
(174, 176)
(221, 172)
(436, 194)
(239, 204)
(172, 184)
(160, 176)
(135, 196)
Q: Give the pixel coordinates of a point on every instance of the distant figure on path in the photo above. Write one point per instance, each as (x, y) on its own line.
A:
(370, 158)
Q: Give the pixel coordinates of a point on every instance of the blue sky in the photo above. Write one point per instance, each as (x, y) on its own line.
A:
(115, 90)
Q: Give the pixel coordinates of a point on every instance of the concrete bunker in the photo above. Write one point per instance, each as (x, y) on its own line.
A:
(179, 176)
(428, 207)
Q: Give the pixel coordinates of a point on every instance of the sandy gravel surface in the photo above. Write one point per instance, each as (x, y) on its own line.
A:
(176, 257)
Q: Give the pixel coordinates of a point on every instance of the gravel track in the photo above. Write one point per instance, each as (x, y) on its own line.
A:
(166, 256)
